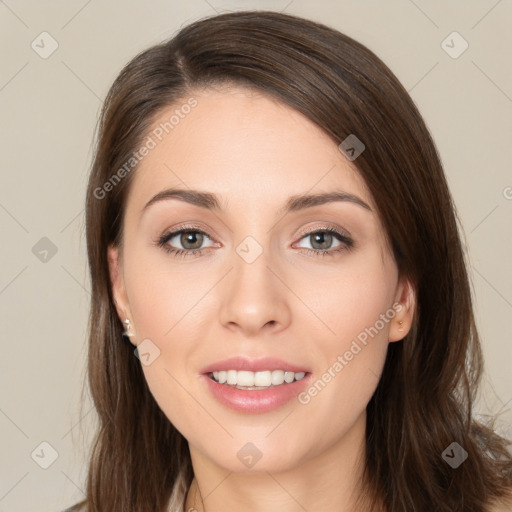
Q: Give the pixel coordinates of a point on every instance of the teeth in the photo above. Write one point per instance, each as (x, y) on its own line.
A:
(264, 379)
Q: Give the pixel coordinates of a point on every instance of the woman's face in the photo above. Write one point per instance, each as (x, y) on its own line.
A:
(269, 282)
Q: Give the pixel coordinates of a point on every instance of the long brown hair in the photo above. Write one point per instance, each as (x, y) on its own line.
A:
(423, 402)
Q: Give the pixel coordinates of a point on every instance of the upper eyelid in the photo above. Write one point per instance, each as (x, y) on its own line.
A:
(174, 232)
(325, 227)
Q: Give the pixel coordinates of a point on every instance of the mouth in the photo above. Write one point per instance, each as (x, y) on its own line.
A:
(255, 385)
(251, 381)
(255, 392)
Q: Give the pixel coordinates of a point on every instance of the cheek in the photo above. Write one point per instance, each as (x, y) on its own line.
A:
(162, 293)
(354, 309)
(169, 311)
(349, 300)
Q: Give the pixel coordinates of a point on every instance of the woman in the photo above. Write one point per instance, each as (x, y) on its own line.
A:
(269, 226)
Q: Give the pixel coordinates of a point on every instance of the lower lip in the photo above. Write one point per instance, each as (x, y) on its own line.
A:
(256, 401)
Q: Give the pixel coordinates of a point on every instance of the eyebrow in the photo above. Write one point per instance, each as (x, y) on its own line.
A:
(211, 201)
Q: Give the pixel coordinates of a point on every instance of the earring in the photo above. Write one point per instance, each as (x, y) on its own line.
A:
(400, 322)
(128, 329)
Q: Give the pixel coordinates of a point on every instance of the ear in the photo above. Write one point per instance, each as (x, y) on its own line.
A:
(117, 284)
(404, 306)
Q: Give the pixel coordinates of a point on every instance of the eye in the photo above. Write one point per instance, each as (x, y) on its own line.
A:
(191, 239)
(323, 239)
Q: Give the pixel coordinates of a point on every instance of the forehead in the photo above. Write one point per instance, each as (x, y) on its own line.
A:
(244, 146)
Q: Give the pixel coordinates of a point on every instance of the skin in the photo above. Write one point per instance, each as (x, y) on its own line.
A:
(256, 152)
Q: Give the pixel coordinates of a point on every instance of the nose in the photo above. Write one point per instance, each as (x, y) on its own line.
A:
(254, 297)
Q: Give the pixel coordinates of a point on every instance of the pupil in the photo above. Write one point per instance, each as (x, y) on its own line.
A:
(189, 237)
(323, 235)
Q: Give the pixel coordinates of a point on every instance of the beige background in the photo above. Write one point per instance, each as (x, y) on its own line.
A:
(49, 109)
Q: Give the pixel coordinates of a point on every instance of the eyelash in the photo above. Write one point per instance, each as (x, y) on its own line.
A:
(348, 243)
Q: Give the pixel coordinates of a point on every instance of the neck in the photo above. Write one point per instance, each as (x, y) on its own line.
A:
(330, 482)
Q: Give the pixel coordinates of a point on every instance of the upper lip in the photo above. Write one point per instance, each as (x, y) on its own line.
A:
(253, 365)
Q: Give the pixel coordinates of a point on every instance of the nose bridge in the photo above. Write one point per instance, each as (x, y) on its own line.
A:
(254, 296)
(251, 274)
(252, 261)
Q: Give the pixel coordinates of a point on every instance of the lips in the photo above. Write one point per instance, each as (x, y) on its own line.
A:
(254, 365)
(253, 401)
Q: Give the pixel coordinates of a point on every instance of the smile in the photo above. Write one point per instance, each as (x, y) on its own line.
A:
(256, 399)
(244, 379)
